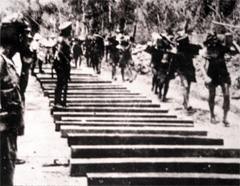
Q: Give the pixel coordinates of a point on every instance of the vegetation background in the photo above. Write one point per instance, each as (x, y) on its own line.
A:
(139, 17)
(105, 16)
(41, 145)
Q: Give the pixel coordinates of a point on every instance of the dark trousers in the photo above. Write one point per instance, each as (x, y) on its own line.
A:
(62, 85)
(40, 63)
(96, 63)
(34, 61)
(8, 151)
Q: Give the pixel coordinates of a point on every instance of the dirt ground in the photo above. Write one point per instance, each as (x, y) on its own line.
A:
(47, 154)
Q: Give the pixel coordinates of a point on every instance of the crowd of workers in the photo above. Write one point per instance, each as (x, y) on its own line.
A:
(171, 55)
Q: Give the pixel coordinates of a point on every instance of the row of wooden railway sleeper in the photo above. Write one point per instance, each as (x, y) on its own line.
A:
(118, 137)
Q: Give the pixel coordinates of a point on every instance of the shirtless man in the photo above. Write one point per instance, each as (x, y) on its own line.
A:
(216, 74)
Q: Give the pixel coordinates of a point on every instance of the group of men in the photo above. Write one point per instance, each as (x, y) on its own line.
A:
(16, 38)
(119, 47)
(119, 50)
(94, 47)
(174, 56)
(171, 56)
(94, 51)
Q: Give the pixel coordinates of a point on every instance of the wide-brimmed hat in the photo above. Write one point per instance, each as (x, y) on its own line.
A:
(37, 37)
(52, 35)
(167, 38)
(65, 25)
(16, 20)
(97, 35)
(82, 37)
(211, 39)
(117, 30)
(183, 39)
(155, 36)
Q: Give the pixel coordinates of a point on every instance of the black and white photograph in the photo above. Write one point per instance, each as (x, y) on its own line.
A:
(120, 92)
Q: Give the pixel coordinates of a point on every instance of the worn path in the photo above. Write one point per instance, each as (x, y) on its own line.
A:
(47, 154)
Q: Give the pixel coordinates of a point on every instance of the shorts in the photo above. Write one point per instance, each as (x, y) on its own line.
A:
(161, 76)
(218, 72)
(219, 80)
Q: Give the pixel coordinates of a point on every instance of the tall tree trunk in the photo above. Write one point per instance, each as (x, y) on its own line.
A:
(84, 29)
(110, 15)
(77, 28)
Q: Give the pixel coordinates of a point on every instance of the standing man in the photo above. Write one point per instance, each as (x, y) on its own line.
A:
(62, 64)
(26, 58)
(35, 47)
(215, 73)
(13, 31)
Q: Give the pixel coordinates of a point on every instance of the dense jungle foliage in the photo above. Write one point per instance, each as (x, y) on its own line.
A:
(103, 16)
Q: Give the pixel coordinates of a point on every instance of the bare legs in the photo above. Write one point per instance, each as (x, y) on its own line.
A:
(211, 103)
(226, 102)
(185, 91)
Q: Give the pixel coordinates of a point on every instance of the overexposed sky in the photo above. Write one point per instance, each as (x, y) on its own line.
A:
(48, 1)
(4, 4)
(7, 3)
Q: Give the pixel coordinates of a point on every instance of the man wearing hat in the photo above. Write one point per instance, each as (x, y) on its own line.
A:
(14, 37)
(62, 63)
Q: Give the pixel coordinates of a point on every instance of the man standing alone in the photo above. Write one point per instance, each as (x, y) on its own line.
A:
(62, 64)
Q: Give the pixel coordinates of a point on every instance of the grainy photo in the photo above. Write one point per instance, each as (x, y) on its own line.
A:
(119, 92)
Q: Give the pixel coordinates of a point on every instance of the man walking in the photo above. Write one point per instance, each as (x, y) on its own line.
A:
(185, 68)
(215, 73)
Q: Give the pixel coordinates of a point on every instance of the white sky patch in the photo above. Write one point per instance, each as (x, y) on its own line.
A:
(4, 4)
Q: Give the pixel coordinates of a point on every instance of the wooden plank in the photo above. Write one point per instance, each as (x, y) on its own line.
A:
(119, 151)
(112, 110)
(80, 86)
(114, 105)
(74, 81)
(96, 123)
(130, 130)
(161, 178)
(150, 139)
(77, 96)
(107, 100)
(79, 167)
(76, 91)
(58, 115)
